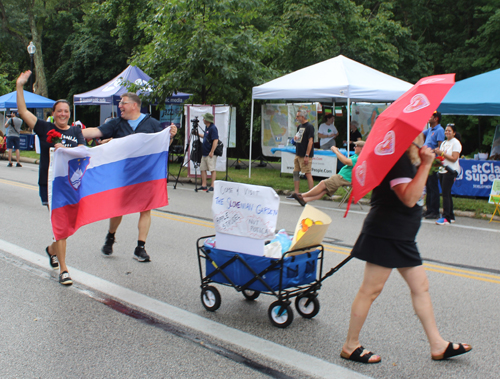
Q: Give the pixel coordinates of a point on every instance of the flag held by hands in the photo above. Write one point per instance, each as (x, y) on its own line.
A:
(126, 175)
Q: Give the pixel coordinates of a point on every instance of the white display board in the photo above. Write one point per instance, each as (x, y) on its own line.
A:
(245, 209)
(279, 124)
(222, 117)
(322, 165)
(244, 216)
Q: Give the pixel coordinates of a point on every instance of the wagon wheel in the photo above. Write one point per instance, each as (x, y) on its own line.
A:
(250, 294)
(210, 298)
(307, 305)
(280, 314)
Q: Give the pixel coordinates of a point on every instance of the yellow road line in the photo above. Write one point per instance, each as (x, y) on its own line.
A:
(187, 220)
(346, 251)
(465, 276)
(28, 186)
(496, 277)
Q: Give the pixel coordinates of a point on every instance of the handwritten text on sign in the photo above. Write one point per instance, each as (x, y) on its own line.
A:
(245, 210)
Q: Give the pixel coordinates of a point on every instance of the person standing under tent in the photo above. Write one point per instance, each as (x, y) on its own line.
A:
(304, 151)
(208, 159)
(14, 124)
(327, 132)
(434, 136)
(450, 150)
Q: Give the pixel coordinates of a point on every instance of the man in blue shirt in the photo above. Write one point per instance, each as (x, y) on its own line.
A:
(433, 138)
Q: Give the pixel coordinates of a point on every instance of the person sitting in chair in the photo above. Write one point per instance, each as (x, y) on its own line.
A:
(333, 183)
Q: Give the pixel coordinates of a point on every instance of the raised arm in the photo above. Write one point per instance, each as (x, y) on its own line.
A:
(92, 133)
(341, 157)
(28, 117)
(410, 193)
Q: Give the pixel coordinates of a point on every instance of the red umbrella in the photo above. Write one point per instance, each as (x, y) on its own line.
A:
(394, 131)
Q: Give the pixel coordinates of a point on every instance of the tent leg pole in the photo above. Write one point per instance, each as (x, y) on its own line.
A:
(251, 135)
(348, 125)
(74, 112)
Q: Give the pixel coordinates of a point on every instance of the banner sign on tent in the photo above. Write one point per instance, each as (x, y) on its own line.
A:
(222, 115)
(365, 115)
(171, 114)
(279, 124)
(475, 178)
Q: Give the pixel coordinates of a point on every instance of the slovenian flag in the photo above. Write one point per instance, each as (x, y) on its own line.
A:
(125, 175)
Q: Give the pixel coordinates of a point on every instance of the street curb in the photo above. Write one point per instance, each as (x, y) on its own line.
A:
(21, 159)
(183, 180)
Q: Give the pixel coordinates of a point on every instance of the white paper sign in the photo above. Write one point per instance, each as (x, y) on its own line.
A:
(245, 210)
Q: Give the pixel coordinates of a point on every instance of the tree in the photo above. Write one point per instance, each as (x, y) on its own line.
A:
(211, 48)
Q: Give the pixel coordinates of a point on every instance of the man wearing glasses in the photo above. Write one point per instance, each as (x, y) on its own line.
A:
(130, 121)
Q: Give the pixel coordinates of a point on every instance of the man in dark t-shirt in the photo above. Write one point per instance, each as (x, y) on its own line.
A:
(304, 151)
(131, 121)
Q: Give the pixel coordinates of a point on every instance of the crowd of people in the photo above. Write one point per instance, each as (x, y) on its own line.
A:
(387, 238)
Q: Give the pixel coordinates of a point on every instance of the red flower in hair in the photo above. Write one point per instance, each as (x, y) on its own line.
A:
(53, 136)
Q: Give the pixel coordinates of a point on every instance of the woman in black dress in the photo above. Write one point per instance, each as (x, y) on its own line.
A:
(70, 137)
(387, 241)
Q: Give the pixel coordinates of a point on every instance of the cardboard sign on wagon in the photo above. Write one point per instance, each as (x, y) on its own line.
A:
(244, 215)
(311, 228)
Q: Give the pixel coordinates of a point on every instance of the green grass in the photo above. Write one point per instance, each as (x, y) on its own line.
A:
(265, 176)
(30, 154)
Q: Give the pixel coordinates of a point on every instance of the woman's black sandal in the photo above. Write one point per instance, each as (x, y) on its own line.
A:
(357, 357)
(451, 352)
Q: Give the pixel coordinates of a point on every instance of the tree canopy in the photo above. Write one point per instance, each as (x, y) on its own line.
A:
(219, 49)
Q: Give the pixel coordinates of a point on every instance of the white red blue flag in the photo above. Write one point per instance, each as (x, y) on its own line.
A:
(126, 175)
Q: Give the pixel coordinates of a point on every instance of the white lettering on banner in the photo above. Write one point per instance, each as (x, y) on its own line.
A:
(482, 173)
(476, 177)
(245, 210)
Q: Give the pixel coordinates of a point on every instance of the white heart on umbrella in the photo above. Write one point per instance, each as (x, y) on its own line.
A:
(361, 173)
(418, 102)
(388, 145)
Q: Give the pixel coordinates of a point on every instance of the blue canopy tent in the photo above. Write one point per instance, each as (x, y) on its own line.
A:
(32, 101)
(109, 93)
(478, 96)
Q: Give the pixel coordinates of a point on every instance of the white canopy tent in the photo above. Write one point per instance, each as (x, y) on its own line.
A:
(338, 79)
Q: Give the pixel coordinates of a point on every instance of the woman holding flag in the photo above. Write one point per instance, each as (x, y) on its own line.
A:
(387, 241)
(58, 135)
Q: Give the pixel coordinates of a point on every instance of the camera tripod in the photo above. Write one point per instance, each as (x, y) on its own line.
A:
(195, 156)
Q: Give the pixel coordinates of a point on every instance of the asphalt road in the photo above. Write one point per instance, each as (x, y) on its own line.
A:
(128, 319)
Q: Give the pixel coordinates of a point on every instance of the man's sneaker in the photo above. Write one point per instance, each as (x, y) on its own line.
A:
(210, 189)
(452, 221)
(431, 216)
(65, 279)
(107, 249)
(291, 197)
(442, 221)
(19, 165)
(140, 254)
(54, 263)
(202, 188)
(10, 164)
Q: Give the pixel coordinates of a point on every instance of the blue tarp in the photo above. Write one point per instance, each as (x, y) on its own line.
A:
(478, 95)
(32, 100)
(110, 92)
